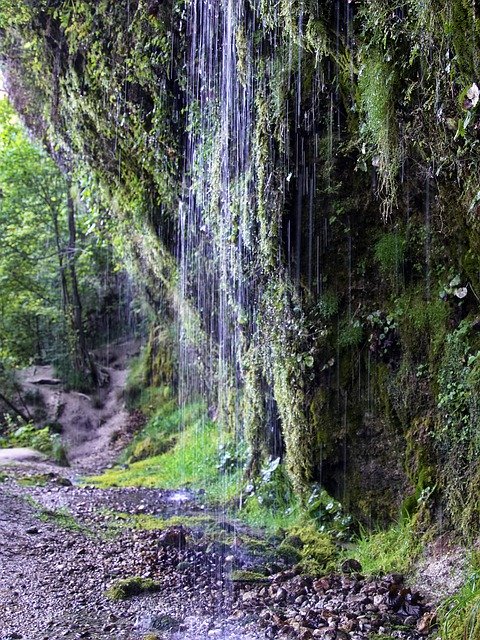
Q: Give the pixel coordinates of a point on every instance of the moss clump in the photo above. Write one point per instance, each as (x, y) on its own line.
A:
(150, 447)
(39, 480)
(129, 587)
(147, 522)
(318, 553)
(289, 553)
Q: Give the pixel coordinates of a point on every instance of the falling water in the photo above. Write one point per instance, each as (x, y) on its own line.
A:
(427, 236)
(238, 197)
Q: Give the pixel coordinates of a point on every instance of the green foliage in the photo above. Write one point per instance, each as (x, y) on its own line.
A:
(350, 334)
(459, 374)
(193, 461)
(161, 431)
(318, 553)
(422, 325)
(392, 550)
(459, 615)
(379, 129)
(456, 435)
(129, 587)
(45, 440)
(389, 253)
(328, 514)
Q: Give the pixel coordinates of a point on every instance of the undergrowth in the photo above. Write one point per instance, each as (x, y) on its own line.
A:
(192, 461)
(386, 551)
(459, 615)
(45, 440)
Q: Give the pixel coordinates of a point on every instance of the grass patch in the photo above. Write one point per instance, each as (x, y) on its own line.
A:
(267, 517)
(459, 615)
(392, 550)
(145, 522)
(37, 480)
(129, 587)
(192, 462)
(160, 434)
(62, 518)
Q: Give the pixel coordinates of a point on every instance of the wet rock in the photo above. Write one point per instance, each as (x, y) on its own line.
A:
(351, 566)
(32, 530)
(173, 537)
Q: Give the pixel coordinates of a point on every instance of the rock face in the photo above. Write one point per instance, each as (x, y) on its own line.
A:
(297, 183)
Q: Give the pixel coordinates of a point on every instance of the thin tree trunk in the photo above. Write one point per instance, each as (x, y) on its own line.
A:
(85, 362)
(15, 409)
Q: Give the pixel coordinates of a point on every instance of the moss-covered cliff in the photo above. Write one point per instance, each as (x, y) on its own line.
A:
(297, 185)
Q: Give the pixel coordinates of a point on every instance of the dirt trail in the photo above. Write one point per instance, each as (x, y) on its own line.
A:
(60, 552)
(95, 427)
(62, 546)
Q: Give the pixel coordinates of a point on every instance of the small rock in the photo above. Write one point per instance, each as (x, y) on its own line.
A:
(351, 566)
(31, 531)
(280, 595)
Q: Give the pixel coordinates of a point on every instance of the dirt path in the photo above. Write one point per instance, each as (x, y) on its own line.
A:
(62, 546)
(94, 427)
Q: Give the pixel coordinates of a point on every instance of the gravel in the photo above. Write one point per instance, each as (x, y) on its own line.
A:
(60, 551)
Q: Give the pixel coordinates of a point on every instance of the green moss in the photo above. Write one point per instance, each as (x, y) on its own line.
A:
(39, 480)
(64, 519)
(389, 253)
(290, 554)
(129, 587)
(147, 522)
(318, 553)
(379, 129)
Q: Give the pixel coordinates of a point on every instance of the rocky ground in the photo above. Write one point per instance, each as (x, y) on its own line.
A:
(63, 546)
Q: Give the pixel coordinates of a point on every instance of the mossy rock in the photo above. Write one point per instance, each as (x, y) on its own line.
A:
(149, 447)
(289, 553)
(318, 553)
(129, 587)
(248, 576)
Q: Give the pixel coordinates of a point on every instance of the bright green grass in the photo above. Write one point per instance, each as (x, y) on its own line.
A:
(391, 550)
(160, 433)
(270, 519)
(459, 615)
(192, 462)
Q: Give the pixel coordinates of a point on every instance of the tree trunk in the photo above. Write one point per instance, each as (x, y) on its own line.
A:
(13, 408)
(83, 360)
